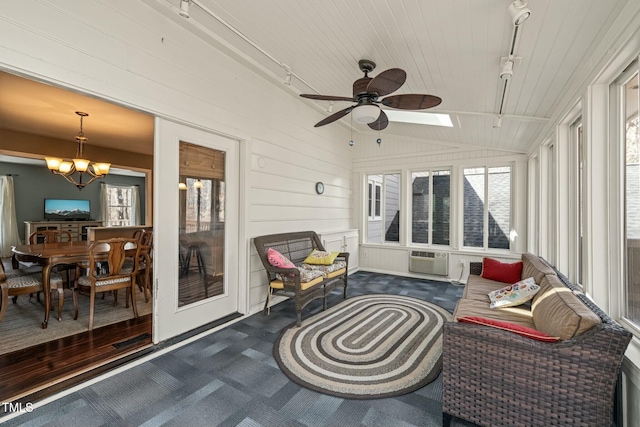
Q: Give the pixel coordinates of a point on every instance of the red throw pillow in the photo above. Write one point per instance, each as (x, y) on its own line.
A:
(276, 259)
(501, 271)
(512, 327)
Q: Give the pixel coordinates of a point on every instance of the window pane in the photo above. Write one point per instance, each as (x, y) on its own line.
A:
(420, 207)
(440, 211)
(374, 223)
(370, 194)
(632, 200)
(473, 228)
(202, 227)
(499, 207)
(430, 205)
(119, 205)
(392, 207)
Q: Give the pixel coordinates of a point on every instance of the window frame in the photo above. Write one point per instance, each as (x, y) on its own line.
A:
(108, 207)
(430, 173)
(618, 99)
(485, 226)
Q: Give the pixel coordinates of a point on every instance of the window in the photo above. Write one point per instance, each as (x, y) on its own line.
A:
(430, 201)
(383, 224)
(375, 199)
(487, 207)
(576, 135)
(632, 196)
(120, 205)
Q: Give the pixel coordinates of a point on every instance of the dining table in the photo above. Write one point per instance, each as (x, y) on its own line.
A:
(49, 255)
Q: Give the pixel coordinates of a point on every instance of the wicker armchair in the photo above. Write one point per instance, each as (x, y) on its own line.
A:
(296, 247)
(495, 378)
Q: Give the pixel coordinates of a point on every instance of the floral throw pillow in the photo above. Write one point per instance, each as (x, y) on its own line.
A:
(515, 294)
(276, 259)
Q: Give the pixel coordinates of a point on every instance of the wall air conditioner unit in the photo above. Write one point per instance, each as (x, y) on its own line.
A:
(436, 263)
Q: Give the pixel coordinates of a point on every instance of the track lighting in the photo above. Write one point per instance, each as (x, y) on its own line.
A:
(519, 12)
(287, 79)
(497, 122)
(507, 70)
(184, 8)
(330, 108)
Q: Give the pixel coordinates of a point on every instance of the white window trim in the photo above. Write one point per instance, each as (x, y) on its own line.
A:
(485, 215)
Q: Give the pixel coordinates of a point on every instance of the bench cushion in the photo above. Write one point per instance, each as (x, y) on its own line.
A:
(518, 315)
(533, 266)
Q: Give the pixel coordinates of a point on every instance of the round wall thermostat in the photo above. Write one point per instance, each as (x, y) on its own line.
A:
(319, 187)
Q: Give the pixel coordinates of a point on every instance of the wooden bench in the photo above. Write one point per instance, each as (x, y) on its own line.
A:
(296, 246)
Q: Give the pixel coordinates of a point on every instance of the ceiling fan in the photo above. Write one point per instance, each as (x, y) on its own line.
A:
(366, 92)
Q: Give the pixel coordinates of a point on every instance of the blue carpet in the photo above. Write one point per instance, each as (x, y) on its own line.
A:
(230, 378)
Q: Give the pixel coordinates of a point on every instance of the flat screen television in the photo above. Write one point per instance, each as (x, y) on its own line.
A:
(67, 209)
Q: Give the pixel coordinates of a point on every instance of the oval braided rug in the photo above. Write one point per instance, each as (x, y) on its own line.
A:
(366, 347)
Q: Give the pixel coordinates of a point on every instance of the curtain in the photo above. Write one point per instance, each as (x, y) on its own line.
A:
(8, 223)
(106, 207)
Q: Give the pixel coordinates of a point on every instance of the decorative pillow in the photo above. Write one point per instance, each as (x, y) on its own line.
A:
(515, 294)
(276, 259)
(501, 271)
(321, 257)
(512, 327)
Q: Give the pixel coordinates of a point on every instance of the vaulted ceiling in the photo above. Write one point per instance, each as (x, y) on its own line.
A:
(450, 48)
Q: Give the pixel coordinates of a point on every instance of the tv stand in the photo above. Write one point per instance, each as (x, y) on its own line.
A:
(78, 229)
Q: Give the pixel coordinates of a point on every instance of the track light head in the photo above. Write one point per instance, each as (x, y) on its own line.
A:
(184, 8)
(507, 70)
(519, 12)
(497, 122)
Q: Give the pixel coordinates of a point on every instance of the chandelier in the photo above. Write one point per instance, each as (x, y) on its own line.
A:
(79, 166)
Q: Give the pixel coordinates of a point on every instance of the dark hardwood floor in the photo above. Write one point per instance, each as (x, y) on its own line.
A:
(36, 372)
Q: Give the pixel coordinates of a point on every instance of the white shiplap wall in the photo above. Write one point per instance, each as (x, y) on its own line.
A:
(127, 52)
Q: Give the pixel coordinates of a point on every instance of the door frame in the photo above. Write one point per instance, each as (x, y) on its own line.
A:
(166, 176)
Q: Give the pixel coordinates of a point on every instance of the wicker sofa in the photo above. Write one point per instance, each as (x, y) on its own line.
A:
(495, 377)
(296, 246)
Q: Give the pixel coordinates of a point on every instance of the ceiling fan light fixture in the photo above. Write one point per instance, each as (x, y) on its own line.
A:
(184, 8)
(366, 113)
(519, 12)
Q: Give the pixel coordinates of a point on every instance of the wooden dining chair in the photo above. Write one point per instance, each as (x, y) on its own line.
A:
(143, 279)
(106, 271)
(19, 282)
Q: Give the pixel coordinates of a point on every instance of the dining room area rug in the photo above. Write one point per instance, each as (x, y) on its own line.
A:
(366, 347)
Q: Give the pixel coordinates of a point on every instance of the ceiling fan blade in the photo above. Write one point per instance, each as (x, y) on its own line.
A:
(335, 116)
(411, 101)
(387, 81)
(381, 123)
(326, 97)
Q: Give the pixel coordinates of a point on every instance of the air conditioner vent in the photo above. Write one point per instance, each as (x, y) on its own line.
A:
(427, 262)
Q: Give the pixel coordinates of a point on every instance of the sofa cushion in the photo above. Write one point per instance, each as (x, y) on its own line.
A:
(478, 287)
(518, 315)
(511, 327)
(501, 271)
(512, 295)
(558, 312)
(533, 266)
